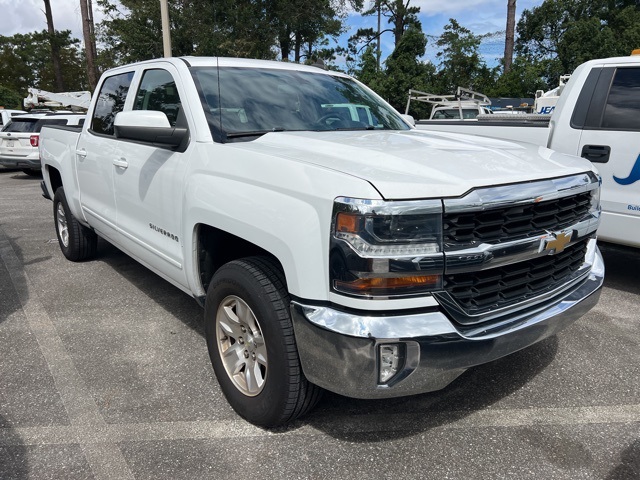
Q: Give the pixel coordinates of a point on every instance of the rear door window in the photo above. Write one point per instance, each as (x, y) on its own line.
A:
(111, 98)
(25, 125)
(622, 111)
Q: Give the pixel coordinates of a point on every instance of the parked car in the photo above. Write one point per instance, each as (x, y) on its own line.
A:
(20, 138)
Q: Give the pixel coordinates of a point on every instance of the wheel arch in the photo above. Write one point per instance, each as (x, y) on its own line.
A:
(215, 247)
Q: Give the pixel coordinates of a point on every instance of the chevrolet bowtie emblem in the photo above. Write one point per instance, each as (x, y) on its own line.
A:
(557, 242)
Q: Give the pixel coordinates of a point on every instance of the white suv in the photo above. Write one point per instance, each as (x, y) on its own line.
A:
(19, 138)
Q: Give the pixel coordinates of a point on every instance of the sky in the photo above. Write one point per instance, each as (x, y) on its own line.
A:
(479, 16)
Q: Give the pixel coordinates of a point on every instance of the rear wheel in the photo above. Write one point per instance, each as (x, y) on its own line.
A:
(252, 346)
(76, 241)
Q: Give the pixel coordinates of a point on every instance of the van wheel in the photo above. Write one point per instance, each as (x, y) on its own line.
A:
(252, 346)
(76, 241)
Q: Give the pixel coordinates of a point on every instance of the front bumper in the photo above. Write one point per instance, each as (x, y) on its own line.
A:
(339, 350)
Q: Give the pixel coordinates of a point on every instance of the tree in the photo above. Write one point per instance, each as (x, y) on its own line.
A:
(566, 33)
(460, 61)
(405, 71)
(25, 61)
(240, 28)
(510, 35)
(55, 48)
(10, 98)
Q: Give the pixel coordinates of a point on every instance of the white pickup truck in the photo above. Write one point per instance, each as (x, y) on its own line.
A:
(359, 256)
(597, 117)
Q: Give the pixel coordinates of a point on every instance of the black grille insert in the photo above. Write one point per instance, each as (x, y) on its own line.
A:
(482, 291)
(513, 223)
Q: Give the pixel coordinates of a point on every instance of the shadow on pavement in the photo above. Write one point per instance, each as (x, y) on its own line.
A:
(629, 466)
(14, 464)
(622, 265)
(170, 298)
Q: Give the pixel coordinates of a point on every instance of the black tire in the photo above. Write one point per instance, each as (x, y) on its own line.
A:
(32, 172)
(285, 393)
(76, 241)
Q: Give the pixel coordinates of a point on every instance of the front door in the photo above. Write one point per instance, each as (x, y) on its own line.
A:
(149, 183)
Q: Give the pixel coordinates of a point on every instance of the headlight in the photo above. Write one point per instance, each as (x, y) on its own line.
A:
(383, 249)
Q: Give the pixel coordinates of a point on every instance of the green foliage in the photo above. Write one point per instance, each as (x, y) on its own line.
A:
(460, 61)
(25, 61)
(10, 98)
(132, 30)
(523, 80)
(559, 35)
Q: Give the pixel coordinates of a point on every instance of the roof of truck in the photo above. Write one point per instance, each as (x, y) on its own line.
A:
(236, 62)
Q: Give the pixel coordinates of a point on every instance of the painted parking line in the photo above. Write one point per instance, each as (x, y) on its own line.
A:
(105, 459)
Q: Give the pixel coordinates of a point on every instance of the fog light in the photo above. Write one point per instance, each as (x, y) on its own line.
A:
(389, 362)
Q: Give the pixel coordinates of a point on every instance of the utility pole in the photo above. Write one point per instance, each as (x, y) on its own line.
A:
(88, 31)
(166, 33)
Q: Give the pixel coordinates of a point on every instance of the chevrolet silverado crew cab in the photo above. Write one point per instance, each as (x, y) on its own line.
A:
(344, 252)
(19, 138)
(597, 117)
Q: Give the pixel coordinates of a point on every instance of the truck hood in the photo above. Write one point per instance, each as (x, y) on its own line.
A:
(420, 164)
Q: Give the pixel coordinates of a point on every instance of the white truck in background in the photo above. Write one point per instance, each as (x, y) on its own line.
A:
(597, 117)
(545, 102)
(330, 251)
(465, 104)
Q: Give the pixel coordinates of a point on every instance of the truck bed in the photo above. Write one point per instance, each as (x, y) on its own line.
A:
(523, 130)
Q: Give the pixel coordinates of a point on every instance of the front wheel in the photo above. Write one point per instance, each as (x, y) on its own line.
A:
(76, 241)
(252, 346)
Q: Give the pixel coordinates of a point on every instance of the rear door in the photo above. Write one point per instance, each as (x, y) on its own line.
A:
(97, 154)
(611, 140)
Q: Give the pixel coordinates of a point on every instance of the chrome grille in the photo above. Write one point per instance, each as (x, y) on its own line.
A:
(514, 222)
(479, 292)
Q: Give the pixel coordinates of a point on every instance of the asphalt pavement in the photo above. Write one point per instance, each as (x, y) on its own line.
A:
(104, 374)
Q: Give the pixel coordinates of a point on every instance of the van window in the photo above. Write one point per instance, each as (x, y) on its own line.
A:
(112, 96)
(158, 92)
(622, 111)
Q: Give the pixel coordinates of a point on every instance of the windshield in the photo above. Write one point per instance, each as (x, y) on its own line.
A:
(243, 103)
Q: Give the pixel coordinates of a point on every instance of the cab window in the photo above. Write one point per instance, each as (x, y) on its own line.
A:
(158, 92)
(112, 96)
(622, 111)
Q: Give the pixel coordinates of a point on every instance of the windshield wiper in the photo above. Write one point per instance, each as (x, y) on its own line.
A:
(253, 133)
(368, 127)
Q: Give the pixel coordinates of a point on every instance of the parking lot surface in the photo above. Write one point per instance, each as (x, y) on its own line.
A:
(104, 373)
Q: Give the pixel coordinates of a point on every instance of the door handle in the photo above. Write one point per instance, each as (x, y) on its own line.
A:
(121, 163)
(82, 153)
(596, 153)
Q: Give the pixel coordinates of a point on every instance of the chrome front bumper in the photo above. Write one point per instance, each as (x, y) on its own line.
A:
(339, 350)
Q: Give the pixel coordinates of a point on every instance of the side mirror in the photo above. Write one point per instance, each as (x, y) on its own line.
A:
(409, 119)
(149, 126)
